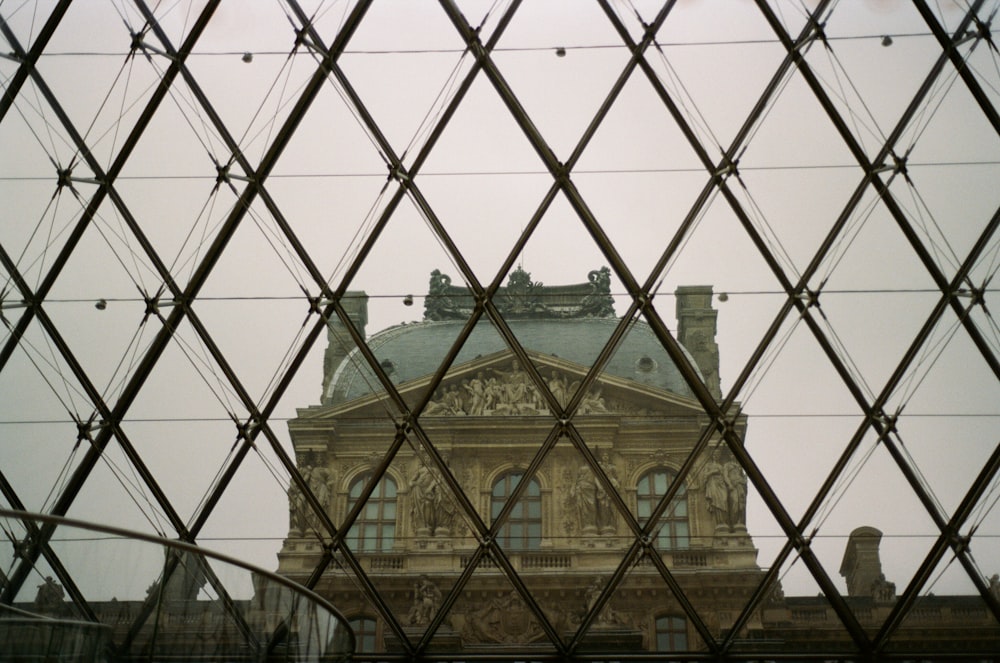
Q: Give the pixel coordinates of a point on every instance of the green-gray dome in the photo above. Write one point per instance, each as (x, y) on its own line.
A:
(415, 350)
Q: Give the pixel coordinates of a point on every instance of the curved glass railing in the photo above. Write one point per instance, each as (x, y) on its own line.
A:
(98, 593)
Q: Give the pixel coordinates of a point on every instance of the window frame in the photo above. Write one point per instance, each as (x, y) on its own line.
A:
(674, 531)
(522, 531)
(671, 633)
(385, 526)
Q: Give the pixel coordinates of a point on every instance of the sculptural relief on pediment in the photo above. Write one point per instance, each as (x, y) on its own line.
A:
(496, 392)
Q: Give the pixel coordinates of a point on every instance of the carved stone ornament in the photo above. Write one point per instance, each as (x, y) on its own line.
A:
(433, 513)
(524, 298)
(588, 506)
(724, 484)
(426, 601)
(301, 516)
(493, 392)
(502, 620)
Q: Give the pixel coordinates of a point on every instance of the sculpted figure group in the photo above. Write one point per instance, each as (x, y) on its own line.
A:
(302, 518)
(725, 492)
(496, 392)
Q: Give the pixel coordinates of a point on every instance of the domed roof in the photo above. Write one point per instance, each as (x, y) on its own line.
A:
(415, 350)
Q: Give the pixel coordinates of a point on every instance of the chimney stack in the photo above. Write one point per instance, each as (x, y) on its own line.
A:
(355, 304)
(862, 566)
(696, 327)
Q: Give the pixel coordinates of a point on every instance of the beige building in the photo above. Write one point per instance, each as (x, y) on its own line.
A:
(565, 535)
(491, 523)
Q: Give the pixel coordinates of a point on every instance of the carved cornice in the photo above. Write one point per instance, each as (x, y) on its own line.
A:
(524, 298)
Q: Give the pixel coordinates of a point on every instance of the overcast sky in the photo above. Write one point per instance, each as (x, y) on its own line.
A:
(484, 181)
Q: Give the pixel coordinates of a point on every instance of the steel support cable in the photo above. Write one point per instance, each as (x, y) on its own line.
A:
(770, 237)
(854, 222)
(27, 347)
(436, 110)
(104, 233)
(132, 490)
(950, 539)
(38, 109)
(645, 538)
(879, 185)
(904, 452)
(696, 120)
(488, 542)
(203, 219)
(213, 483)
(192, 106)
(254, 179)
(944, 87)
(284, 98)
(104, 436)
(838, 346)
(932, 352)
(128, 62)
(200, 362)
(761, 365)
(978, 515)
(939, 245)
(838, 68)
(686, 231)
(29, 544)
(760, 482)
(949, 534)
(277, 241)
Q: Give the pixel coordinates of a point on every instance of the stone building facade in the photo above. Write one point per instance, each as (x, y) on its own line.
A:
(571, 528)
(565, 537)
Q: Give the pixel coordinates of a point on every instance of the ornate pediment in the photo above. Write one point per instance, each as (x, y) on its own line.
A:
(496, 385)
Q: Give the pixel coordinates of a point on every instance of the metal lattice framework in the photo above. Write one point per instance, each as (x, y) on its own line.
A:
(98, 191)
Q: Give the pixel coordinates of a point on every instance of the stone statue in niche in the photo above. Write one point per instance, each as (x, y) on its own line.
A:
(716, 491)
(594, 508)
(301, 516)
(432, 512)
(607, 516)
(736, 481)
(725, 490)
(426, 601)
(583, 493)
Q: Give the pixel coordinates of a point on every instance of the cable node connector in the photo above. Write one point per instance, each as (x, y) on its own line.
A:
(398, 173)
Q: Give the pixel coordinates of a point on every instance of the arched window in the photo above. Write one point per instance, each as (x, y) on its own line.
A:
(671, 633)
(375, 528)
(523, 528)
(673, 533)
(364, 633)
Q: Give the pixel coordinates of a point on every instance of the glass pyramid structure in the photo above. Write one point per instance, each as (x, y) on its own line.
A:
(196, 197)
